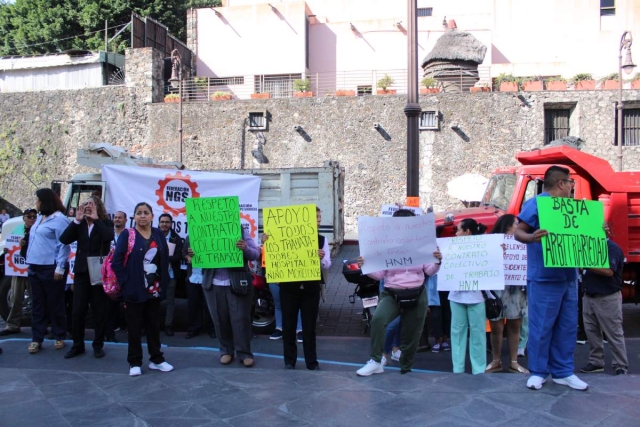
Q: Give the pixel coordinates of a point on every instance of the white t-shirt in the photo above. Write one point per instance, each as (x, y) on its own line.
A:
(466, 297)
(4, 218)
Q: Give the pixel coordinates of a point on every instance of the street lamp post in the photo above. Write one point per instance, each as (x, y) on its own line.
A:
(628, 66)
(412, 110)
(176, 76)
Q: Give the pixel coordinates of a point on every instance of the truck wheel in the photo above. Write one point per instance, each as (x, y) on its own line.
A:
(263, 316)
(5, 297)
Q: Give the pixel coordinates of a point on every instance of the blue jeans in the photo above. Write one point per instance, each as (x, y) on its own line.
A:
(392, 336)
(275, 293)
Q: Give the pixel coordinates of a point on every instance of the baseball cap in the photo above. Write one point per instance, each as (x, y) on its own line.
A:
(29, 211)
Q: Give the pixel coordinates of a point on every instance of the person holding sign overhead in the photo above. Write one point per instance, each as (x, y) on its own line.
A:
(552, 295)
(468, 317)
(403, 294)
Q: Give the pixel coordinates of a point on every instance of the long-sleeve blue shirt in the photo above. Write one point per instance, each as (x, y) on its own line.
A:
(44, 242)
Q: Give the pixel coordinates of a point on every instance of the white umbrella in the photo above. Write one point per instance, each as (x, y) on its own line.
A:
(468, 187)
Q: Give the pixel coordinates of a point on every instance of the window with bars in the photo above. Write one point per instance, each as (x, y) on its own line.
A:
(630, 127)
(429, 120)
(278, 85)
(425, 11)
(557, 124)
(226, 81)
(257, 120)
(607, 7)
(365, 90)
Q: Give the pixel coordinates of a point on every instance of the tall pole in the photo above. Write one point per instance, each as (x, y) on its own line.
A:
(619, 106)
(412, 110)
(180, 113)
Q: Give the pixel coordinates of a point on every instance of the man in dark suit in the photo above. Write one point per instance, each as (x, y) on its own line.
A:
(175, 243)
(93, 231)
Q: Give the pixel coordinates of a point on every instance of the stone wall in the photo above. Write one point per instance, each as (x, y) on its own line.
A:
(40, 132)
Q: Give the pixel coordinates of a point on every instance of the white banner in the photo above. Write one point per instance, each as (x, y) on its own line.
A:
(14, 264)
(388, 210)
(165, 190)
(515, 262)
(396, 242)
(471, 263)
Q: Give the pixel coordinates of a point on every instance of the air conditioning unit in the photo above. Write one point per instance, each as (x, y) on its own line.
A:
(430, 120)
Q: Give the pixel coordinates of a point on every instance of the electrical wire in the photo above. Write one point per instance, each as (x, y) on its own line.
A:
(68, 38)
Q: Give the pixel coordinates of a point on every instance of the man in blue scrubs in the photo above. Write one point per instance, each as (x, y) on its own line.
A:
(552, 296)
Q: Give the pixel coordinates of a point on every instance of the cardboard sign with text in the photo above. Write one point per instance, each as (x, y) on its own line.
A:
(388, 210)
(291, 251)
(515, 262)
(576, 237)
(471, 263)
(214, 230)
(14, 264)
(396, 242)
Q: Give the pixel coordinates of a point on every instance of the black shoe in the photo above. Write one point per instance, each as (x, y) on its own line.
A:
(2, 350)
(289, 367)
(168, 331)
(8, 332)
(621, 371)
(276, 335)
(98, 353)
(299, 336)
(212, 334)
(405, 371)
(73, 352)
(192, 334)
(314, 368)
(589, 369)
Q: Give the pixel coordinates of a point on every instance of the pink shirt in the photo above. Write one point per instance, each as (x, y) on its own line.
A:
(400, 278)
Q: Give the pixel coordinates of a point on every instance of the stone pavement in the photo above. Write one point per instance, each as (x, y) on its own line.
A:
(47, 390)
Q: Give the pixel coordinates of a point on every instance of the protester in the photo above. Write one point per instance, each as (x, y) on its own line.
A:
(175, 244)
(143, 276)
(231, 314)
(602, 312)
(114, 306)
(303, 297)
(524, 335)
(514, 309)
(468, 317)
(440, 315)
(47, 259)
(195, 297)
(552, 295)
(93, 231)
(19, 285)
(388, 309)
(4, 217)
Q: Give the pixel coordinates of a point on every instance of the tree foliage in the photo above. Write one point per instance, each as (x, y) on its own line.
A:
(45, 26)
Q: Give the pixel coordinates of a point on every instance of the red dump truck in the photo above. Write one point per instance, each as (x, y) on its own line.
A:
(510, 187)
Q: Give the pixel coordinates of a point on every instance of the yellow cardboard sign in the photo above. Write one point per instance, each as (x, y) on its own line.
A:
(291, 251)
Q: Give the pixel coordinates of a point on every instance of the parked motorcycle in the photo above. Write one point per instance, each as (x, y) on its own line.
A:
(367, 289)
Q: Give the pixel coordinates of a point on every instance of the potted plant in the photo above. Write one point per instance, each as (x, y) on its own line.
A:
(635, 81)
(556, 83)
(301, 88)
(480, 87)
(506, 83)
(583, 81)
(429, 85)
(384, 83)
(609, 82)
(532, 84)
(172, 97)
(263, 95)
(221, 96)
(345, 92)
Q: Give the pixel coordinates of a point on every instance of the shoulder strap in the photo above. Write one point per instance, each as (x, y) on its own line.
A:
(130, 242)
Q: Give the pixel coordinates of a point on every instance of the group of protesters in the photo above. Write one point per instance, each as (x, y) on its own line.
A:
(147, 261)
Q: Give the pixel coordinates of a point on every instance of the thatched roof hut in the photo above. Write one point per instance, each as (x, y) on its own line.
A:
(454, 60)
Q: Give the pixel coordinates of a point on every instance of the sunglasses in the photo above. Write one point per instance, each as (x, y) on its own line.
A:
(30, 216)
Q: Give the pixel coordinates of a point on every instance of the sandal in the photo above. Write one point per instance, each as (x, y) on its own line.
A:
(34, 347)
(58, 345)
(518, 369)
(494, 366)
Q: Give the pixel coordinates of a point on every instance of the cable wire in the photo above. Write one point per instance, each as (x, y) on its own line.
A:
(67, 38)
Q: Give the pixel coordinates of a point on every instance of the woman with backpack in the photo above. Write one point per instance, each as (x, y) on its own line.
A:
(141, 264)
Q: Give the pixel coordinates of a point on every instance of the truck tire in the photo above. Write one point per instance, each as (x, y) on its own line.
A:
(5, 302)
(263, 316)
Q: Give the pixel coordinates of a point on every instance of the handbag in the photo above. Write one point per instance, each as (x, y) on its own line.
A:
(241, 280)
(94, 265)
(406, 298)
(493, 306)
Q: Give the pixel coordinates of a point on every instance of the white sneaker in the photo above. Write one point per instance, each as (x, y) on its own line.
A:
(135, 371)
(521, 352)
(395, 355)
(535, 382)
(572, 381)
(372, 367)
(383, 361)
(164, 367)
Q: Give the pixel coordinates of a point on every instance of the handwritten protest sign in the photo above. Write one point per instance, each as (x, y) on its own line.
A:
(214, 230)
(14, 263)
(388, 210)
(471, 263)
(576, 237)
(515, 262)
(397, 242)
(291, 252)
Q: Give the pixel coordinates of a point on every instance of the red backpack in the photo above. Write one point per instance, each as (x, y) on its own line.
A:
(109, 279)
